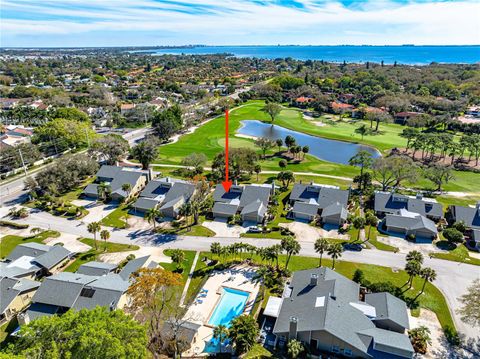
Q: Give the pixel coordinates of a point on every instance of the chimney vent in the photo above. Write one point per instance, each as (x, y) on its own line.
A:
(292, 333)
(313, 279)
(419, 196)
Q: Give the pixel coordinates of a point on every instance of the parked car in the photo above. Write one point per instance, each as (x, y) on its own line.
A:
(352, 247)
(254, 229)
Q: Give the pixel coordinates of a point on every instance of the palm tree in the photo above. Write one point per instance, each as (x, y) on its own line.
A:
(220, 333)
(151, 216)
(414, 256)
(102, 191)
(290, 246)
(105, 235)
(127, 187)
(257, 169)
(305, 150)
(93, 228)
(178, 257)
(295, 348)
(185, 210)
(215, 248)
(428, 275)
(358, 223)
(321, 246)
(335, 251)
(412, 268)
(370, 220)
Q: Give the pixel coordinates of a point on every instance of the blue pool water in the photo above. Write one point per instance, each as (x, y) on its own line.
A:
(231, 305)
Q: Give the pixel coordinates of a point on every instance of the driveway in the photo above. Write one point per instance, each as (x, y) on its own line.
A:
(70, 242)
(156, 254)
(96, 210)
(406, 246)
(223, 229)
(309, 233)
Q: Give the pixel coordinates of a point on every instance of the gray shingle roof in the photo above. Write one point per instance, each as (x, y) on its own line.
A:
(335, 209)
(256, 207)
(251, 193)
(389, 307)
(389, 342)
(54, 256)
(96, 268)
(225, 208)
(104, 291)
(391, 202)
(31, 249)
(116, 176)
(323, 195)
(156, 188)
(470, 216)
(133, 266)
(418, 222)
(327, 306)
(22, 267)
(309, 209)
(219, 194)
(10, 288)
(61, 289)
(145, 203)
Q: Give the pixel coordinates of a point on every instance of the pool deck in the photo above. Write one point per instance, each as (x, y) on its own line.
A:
(238, 277)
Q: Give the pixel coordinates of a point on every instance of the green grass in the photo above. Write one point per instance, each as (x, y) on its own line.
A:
(258, 352)
(102, 248)
(9, 242)
(458, 201)
(459, 254)
(432, 299)
(210, 138)
(187, 264)
(192, 230)
(379, 245)
(6, 330)
(116, 218)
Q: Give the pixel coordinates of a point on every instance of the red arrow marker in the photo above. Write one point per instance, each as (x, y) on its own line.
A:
(226, 184)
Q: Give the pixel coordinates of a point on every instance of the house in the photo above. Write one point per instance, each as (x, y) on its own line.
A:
(15, 295)
(403, 117)
(338, 107)
(63, 291)
(167, 194)
(391, 202)
(14, 135)
(96, 268)
(126, 108)
(468, 215)
(310, 200)
(33, 260)
(250, 201)
(473, 111)
(326, 312)
(303, 101)
(114, 177)
(410, 223)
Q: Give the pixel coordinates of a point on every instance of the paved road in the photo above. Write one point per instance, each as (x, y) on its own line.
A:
(452, 278)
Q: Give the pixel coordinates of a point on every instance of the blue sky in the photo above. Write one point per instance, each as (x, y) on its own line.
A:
(237, 22)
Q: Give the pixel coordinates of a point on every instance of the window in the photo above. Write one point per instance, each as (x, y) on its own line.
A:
(335, 349)
(87, 292)
(347, 352)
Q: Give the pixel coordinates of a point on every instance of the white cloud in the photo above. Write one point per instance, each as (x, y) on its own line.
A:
(244, 22)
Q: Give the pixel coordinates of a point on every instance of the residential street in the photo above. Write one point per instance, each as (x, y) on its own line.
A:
(452, 278)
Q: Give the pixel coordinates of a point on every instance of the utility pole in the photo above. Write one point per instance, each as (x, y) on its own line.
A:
(23, 162)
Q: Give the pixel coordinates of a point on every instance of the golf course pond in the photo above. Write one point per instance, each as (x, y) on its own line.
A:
(322, 148)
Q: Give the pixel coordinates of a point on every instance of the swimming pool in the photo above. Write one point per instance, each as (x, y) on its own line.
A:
(231, 305)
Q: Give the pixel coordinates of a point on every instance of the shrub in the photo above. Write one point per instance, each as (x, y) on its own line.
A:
(13, 224)
(459, 226)
(453, 235)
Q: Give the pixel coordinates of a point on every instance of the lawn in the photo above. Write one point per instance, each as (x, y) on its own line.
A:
(102, 247)
(431, 299)
(258, 352)
(9, 242)
(187, 264)
(211, 139)
(377, 244)
(116, 218)
(459, 254)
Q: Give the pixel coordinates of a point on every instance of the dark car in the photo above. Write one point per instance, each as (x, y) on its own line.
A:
(352, 247)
